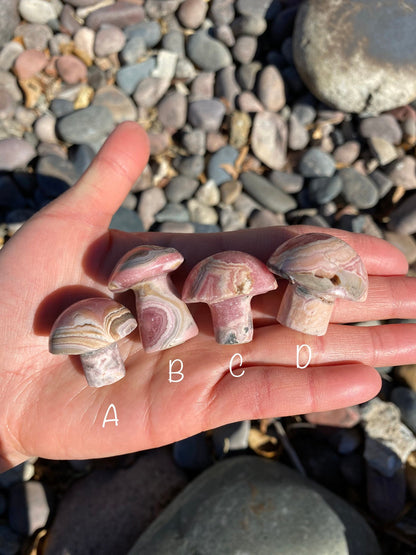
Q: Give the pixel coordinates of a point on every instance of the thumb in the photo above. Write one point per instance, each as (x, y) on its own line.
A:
(101, 190)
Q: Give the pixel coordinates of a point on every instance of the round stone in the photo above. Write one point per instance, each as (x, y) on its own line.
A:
(207, 53)
(269, 139)
(15, 153)
(180, 188)
(29, 62)
(109, 40)
(384, 127)
(324, 189)
(206, 114)
(172, 110)
(358, 189)
(150, 91)
(128, 77)
(134, 49)
(7, 104)
(316, 163)
(71, 69)
(244, 49)
(86, 125)
(339, 44)
(191, 13)
(403, 172)
(44, 128)
(39, 11)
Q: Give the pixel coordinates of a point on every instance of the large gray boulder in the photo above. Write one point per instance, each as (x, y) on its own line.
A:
(256, 507)
(357, 55)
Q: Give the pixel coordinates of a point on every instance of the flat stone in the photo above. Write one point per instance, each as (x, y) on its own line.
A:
(253, 25)
(347, 153)
(9, 19)
(324, 189)
(240, 126)
(226, 155)
(71, 69)
(206, 114)
(149, 31)
(269, 139)
(191, 13)
(29, 507)
(358, 189)
(39, 11)
(347, 37)
(180, 188)
(271, 89)
(207, 53)
(120, 14)
(109, 40)
(128, 77)
(316, 163)
(291, 183)
(126, 220)
(311, 519)
(29, 62)
(86, 125)
(92, 506)
(266, 194)
(118, 103)
(151, 202)
(403, 172)
(15, 154)
(172, 110)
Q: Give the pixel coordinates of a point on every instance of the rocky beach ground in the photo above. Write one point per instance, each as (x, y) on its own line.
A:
(245, 105)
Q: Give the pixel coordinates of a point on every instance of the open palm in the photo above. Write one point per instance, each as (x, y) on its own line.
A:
(65, 253)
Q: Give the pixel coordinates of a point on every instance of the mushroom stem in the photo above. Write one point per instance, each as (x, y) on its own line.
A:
(232, 320)
(304, 312)
(164, 319)
(104, 366)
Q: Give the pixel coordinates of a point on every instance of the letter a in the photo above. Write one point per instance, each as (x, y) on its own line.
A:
(115, 419)
(298, 350)
(171, 363)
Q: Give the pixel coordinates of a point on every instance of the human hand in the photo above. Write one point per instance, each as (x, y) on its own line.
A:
(65, 253)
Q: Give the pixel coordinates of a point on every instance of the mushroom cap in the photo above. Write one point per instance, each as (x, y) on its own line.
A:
(227, 275)
(321, 265)
(142, 264)
(89, 325)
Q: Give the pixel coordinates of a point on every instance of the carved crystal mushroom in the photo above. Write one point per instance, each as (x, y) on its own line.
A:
(164, 319)
(91, 328)
(227, 281)
(320, 269)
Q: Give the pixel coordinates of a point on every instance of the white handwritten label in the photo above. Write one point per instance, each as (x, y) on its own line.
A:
(240, 364)
(171, 363)
(106, 419)
(298, 350)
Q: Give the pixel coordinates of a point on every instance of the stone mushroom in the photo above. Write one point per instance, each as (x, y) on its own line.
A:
(91, 328)
(164, 319)
(227, 281)
(320, 269)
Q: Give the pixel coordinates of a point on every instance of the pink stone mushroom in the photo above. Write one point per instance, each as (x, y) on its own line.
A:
(227, 281)
(91, 328)
(164, 320)
(320, 269)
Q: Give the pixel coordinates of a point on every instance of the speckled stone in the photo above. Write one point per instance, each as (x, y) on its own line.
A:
(240, 126)
(207, 53)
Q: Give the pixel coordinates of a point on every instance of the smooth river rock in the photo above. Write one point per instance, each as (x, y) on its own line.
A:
(248, 505)
(85, 126)
(339, 44)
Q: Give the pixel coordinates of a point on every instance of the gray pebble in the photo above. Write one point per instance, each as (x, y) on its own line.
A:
(358, 189)
(305, 111)
(246, 75)
(149, 31)
(86, 125)
(230, 191)
(151, 202)
(9, 83)
(207, 53)
(324, 189)
(128, 77)
(266, 194)
(149, 91)
(382, 182)
(172, 110)
(317, 220)
(61, 107)
(96, 77)
(177, 227)
(126, 220)
(15, 153)
(206, 228)
(246, 205)
(109, 39)
(185, 70)
(252, 25)
(225, 155)
(81, 157)
(405, 243)
(206, 114)
(224, 34)
(118, 103)
(9, 19)
(34, 35)
(133, 51)
(7, 105)
(181, 188)
(226, 86)
(54, 175)
(208, 193)
(347, 153)
(173, 212)
(265, 218)
(403, 172)
(156, 9)
(9, 53)
(29, 507)
(244, 49)
(269, 139)
(249, 103)
(68, 21)
(316, 163)
(120, 14)
(291, 183)
(222, 11)
(200, 213)
(403, 218)
(191, 166)
(194, 141)
(174, 41)
(144, 181)
(384, 127)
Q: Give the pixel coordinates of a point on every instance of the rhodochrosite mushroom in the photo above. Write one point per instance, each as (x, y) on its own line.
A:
(320, 268)
(91, 328)
(227, 281)
(164, 319)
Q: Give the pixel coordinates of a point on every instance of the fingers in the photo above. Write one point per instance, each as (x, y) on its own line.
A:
(104, 186)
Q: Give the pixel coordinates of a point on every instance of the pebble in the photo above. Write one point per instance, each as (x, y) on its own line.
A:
(84, 40)
(159, 142)
(128, 77)
(172, 110)
(149, 91)
(149, 31)
(151, 202)
(81, 157)
(403, 172)
(29, 63)
(174, 41)
(176, 227)
(298, 138)
(252, 25)
(349, 42)
(324, 189)
(358, 189)
(173, 212)
(208, 53)
(316, 163)
(383, 151)
(15, 154)
(194, 141)
(71, 69)
(244, 49)
(269, 139)
(206, 114)
(120, 14)
(226, 87)
(118, 103)
(200, 213)
(39, 11)
(224, 156)
(185, 70)
(323, 521)
(191, 13)
(44, 128)
(9, 19)
(347, 153)
(382, 182)
(109, 39)
(403, 218)
(230, 191)
(61, 107)
(240, 125)
(222, 11)
(215, 141)
(87, 125)
(34, 35)
(405, 399)
(384, 127)
(191, 166)
(225, 35)
(165, 65)
(208, 193)
(126, 220)
(133, 51)
(29, 507)
(265, 218)
(249, 103)
(54, 174)
(9, 53)
(231, 220)
(246, 75)
(291, 183)
(181, 188)
(266, 194)
(7, 105)
(156, 9)
(271, 89)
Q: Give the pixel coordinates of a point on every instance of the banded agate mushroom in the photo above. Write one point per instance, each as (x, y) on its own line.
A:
(320, 268)
(227, 281)
(164, 319)
(91, 328)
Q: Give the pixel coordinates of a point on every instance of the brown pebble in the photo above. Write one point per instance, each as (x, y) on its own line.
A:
(71, 69)
(230, 191)
(29, 63)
